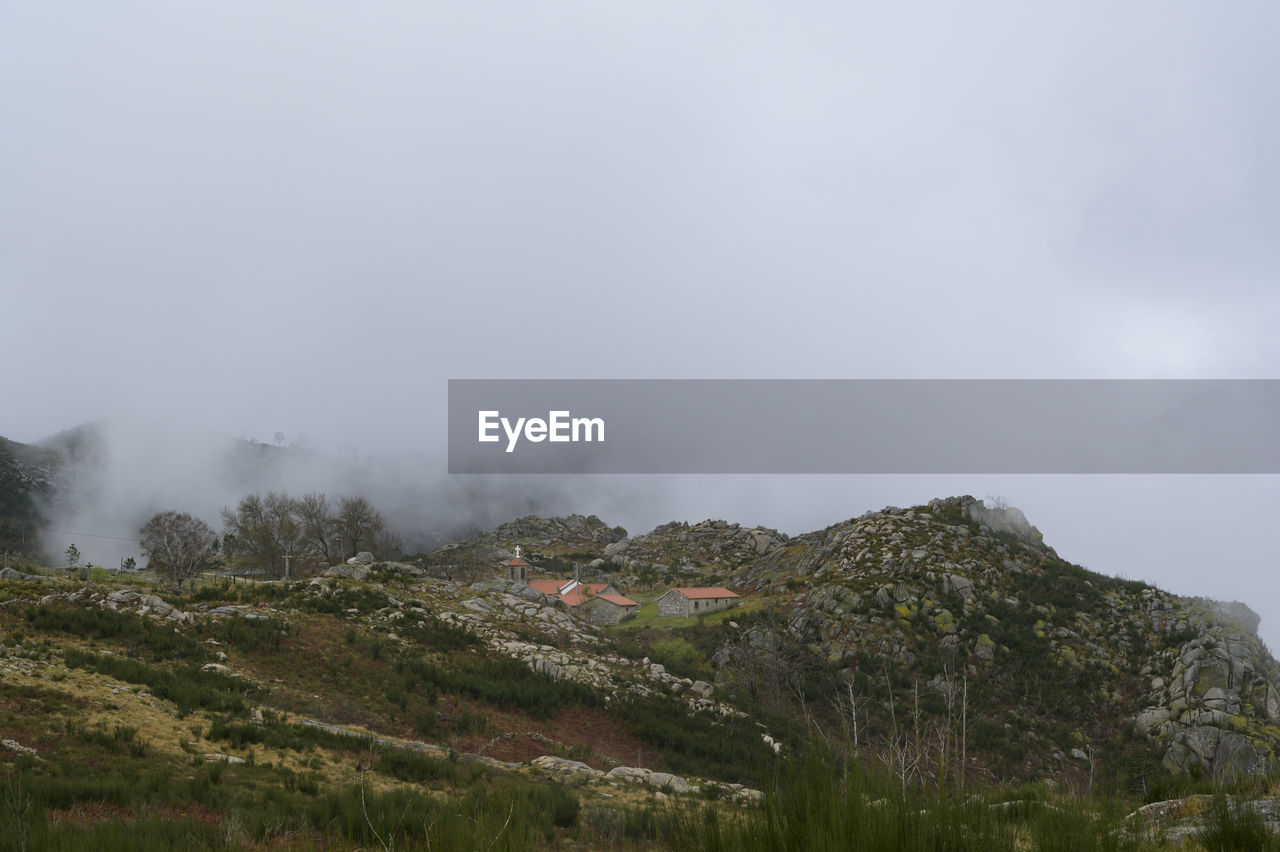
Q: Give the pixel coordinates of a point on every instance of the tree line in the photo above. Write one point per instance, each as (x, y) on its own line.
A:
(274, 535)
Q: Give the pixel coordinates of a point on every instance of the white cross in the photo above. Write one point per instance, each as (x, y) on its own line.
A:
(517, 551)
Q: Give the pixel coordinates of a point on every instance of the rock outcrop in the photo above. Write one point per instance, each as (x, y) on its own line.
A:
(977, 591)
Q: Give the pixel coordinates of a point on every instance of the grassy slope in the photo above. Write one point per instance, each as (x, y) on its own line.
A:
(124, 720)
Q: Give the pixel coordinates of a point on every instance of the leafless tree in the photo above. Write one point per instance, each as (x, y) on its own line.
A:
(316, 518)
(358, 522)
(176, 544)
(903, 752)
(263, 530)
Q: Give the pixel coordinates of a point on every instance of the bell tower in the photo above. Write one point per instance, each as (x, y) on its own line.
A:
(518, 569)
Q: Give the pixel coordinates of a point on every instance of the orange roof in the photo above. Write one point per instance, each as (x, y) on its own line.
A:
(706, 592)
(517, 562)
(617, 599)
(575, 596)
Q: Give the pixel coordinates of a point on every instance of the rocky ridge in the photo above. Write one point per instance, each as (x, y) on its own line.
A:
(557, 535)
(977, 590)
(681, 546)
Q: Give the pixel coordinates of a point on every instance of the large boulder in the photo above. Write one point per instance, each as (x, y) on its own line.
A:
(1004, 520)
(15, 574)
(1233, 615)
(355, 571)
(562, 766)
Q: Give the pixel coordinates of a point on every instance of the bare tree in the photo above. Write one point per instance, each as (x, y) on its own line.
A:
(317, 523)
(176, 544)
(261, 531)
(903, 753)
(282, 517)
(266, 532)
(358, 522)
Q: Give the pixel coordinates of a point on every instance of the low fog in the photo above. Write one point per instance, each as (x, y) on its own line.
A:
(227, 221)
(1194, 535)
(121, 471)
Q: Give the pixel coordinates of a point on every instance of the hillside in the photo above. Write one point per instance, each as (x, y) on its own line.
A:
(938, 648)
(1070, 658)
(1056, 660)
(28, 477)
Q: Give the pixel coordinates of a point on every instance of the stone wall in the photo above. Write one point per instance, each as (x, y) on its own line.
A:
(673, 605)
(600, 611)
(699, 606)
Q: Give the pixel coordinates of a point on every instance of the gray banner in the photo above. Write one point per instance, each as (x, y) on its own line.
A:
(864, 426)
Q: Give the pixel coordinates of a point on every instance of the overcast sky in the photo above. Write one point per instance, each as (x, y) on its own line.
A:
(305, 217)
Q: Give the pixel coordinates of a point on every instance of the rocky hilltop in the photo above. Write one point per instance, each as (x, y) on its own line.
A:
(554, 535)
(961, 609)
(1064, 658)
(943, 649)
(1061, 668)
(710, 545)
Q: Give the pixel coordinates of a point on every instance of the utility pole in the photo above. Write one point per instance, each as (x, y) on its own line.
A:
(286, 566)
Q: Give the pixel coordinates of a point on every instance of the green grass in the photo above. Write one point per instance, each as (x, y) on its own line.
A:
(647, 616)
(1230, 826)
(814, 804)
(256, 807)
(695, 743)
(138, 636)
(186, 686)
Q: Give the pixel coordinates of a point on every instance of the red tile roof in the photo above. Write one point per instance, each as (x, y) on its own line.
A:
(517, 562)
(575, 596)
(707, 592)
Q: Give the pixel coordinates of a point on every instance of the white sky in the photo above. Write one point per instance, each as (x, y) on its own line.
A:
(307, 216)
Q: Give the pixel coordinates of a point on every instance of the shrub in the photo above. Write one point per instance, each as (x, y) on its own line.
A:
(1229, 826)
(188, 687)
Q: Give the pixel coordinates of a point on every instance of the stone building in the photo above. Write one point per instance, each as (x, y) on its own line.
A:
(609, 608)
(683, 603)
(518, 569)
(575, 596)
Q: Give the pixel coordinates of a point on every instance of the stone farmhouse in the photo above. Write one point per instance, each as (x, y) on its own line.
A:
(599, 603)
(684, 603)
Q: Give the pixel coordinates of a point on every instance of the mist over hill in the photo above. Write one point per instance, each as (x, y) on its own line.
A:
(946, 646)
(94, 485)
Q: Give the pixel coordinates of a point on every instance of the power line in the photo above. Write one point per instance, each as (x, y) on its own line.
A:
(88, 535)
